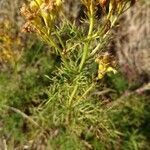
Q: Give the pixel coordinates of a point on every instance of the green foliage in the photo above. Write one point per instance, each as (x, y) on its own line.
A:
(117, 82)
(66, 141)
(86, 123)
(52, 98)
(23, 89)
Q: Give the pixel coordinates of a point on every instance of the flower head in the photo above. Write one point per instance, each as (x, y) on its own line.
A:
(105, 65)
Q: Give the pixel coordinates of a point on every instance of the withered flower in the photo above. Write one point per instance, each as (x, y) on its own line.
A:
(26, 13)
(28, 27)
(102, 2)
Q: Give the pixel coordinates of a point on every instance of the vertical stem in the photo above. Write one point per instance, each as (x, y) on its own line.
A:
(84, 56)
(91, 24)
(72, 94)
(86, 47)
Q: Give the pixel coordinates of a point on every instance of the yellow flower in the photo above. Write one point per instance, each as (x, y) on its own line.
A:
(105, 65)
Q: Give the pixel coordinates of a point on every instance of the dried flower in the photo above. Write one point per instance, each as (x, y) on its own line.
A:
(28, 27)
(103, 3)
(26, 13)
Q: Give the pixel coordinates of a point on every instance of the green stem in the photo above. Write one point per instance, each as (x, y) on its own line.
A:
(85, 50)
(91, 25)
(84, 56)
(86, 46)
(73, 94)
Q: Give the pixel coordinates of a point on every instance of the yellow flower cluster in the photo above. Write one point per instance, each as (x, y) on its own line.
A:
(40, 14)
(105, 65)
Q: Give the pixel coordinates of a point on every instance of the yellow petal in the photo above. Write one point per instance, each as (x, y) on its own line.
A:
(110, 69)
(100, 75)
(102, 67)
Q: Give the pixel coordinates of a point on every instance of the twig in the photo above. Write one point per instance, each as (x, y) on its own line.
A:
(23, 115)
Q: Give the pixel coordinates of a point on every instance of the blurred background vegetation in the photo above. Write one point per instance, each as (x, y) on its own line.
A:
(26, 65)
